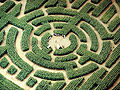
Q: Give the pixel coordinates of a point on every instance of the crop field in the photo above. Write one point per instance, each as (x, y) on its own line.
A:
(59, 44)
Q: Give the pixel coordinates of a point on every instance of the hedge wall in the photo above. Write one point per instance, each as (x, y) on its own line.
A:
(12, 70)
(49, 75)
(4, 62)
(31, 82)
(82, 71)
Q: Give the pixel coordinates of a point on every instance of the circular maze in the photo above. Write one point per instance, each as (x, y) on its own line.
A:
(59, 44)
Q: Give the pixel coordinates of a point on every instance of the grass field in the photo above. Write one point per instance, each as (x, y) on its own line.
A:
(59, 44)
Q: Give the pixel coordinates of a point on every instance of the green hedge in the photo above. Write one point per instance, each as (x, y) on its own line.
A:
(4, 62)
(32, 15)
(10, 42)
(57, 85)
(101, 7)
(78, 3)
(92, 35)
(48, 64)
(49, 75)
(95, 1)
(74, 84)
(113, 57)
(3, 22)
(109, 14)
(7, 6)
(114, 24)
(31, 82)
(42, 29)
(32, 5)
(44, 43)
(16, 10)
(82, 71)
(25, 37)
(117, 36)
(87, 8)
(6, 84)
(38, 51)
(71, 1)
(54, 3)
(12, 70)
(110, 78)
(43, 85)
(3, 50)
(61, 10)
(69, 57)
(70, 48)
(93, 80)
(88, 55)
(118, 2)
(45, 19)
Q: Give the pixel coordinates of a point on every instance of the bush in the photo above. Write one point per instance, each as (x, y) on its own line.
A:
(74, 84)
(31, 82)
(54, 3)
(49, 75)
(38, 51)
(48, 64)
(25, 37)
(110, 78)
(3, 50)
(42, 29)
(4, 62)
(95, 1)
(94, 79)
(46, 19)
(116, 36)
(16, 10)
(92, 35)
(12, 70)
(78, 3)
(32, 5)
(2, 33)
(70, 48)
(10, 42)
(109, 14)
(7, 6)
(32, 15)
(57, 85)
(61, 10)
(114, 57)
(82, 71)
(6, 84)
(69, 57)
(101, 7)
(87, 8)
(44, 43)
(43, 85)
(114, 23)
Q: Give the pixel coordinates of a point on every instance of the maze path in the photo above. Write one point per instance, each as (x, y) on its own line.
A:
(90, 61)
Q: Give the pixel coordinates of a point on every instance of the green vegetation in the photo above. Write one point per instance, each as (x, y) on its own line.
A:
(78, 3)
(69, 57)
(101, 7)
(2, 33)
(109, 14)
(42, 29)
(49, 75)
(6, 84)
(114, 24)
(73, 85)
(12, 70)
(82, 71)
(31, 82)
(95, 1)
(26, 68)
(4, 62)
(117, 36)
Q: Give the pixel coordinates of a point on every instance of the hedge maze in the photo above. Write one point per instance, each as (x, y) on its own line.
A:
(59, 44)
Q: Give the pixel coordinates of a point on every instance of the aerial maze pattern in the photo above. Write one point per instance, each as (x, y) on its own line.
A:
(91, 61)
